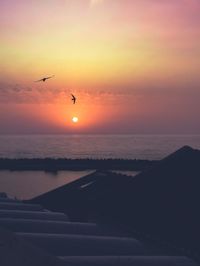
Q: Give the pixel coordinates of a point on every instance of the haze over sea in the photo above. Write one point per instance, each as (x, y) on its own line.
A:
(94, 146)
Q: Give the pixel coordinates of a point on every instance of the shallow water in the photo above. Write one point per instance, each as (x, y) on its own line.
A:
(28, 184)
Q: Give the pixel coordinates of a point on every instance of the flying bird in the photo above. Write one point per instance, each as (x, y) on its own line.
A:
(44, 79)
(73, 98)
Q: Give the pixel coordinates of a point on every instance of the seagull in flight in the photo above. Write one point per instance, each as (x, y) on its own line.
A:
(73, 98)
(44, 79)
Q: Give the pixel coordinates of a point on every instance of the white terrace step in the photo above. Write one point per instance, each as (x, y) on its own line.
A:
(33, 215)
(129, 261)
(56, 227)
(20, 206)
(81, 245)
(9, 200)
(16, 252)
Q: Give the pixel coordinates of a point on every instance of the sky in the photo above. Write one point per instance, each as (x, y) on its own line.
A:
(132, 64)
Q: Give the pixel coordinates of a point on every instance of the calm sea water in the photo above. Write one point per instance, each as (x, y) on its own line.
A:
(94, 146)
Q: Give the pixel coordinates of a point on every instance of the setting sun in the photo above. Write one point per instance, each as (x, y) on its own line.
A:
(75, 119)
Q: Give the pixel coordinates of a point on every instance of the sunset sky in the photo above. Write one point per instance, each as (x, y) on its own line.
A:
(134, 66)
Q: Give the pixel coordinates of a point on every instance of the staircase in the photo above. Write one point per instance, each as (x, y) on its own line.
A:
(76, 243)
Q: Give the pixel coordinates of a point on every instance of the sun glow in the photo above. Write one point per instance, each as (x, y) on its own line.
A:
(75, 119)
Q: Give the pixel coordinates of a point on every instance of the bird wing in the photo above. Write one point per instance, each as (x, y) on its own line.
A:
(73, 97)
(44, 78)
(49, 77)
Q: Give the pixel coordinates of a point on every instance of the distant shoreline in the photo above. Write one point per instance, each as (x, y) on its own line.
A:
(54, 165)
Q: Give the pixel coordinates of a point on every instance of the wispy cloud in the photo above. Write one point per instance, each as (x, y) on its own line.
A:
(19, 94)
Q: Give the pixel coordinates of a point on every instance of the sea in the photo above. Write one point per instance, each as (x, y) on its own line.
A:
(151, 147)
(28, 184)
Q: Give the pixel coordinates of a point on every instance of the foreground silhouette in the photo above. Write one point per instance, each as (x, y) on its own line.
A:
(161, 202)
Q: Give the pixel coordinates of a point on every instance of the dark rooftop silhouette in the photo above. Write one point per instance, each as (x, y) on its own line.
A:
(31, 237)
(162, 201)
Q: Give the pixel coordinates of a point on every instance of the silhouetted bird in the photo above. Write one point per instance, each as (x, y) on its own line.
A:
(73, 98)
(44, 79)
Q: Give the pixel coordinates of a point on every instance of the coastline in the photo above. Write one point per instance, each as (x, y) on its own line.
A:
(54, 165)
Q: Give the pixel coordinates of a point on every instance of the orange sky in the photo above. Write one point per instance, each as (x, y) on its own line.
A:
(133, 65)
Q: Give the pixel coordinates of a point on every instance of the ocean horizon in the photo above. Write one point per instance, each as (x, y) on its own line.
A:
(75, 146)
